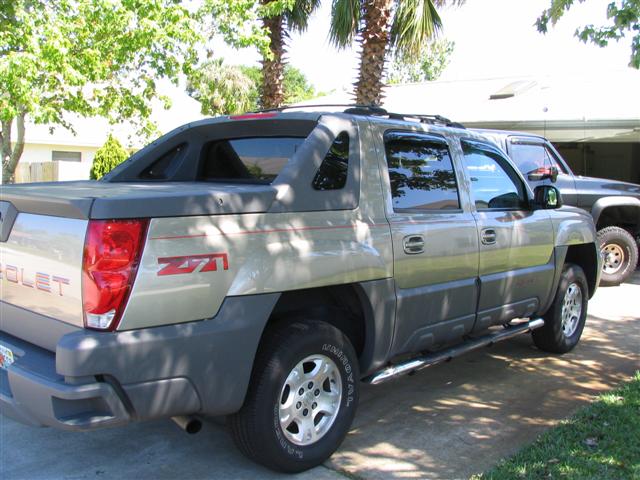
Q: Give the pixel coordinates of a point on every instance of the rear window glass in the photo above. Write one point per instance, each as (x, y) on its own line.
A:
(247, 160)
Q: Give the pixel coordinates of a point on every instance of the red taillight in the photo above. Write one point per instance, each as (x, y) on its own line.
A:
(112, 251)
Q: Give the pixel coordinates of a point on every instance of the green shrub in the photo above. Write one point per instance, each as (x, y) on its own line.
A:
(107, 158)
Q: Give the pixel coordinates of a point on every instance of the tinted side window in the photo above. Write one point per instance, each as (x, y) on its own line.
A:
(249, 160)
(332, 174)
(553, 159)
(528, 157)
(494, 184)
(162, 167)
(420, 172)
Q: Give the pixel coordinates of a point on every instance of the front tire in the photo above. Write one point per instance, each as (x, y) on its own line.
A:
(301, 399)
(620, 255)
(565, 319)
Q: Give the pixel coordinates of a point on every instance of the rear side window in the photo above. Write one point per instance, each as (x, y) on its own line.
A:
(332, 174)
(247, 160)
(420, 172)
(163, 167)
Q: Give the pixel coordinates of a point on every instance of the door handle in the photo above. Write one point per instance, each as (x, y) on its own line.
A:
(488, 236)
(413, 244)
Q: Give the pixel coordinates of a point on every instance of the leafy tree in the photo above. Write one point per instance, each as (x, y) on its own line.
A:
(428, 67)
(296, 86)
(101, 58)
(224, 89)
(279, 20)
(623, 16)
(110, 155)
(379, 26)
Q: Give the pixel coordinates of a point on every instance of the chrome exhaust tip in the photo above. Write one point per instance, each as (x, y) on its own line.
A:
(188, 423)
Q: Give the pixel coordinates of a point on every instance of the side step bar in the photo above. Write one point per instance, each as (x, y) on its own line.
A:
(418, 363)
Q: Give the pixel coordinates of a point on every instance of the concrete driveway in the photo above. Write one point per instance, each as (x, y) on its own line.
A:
(448, 421)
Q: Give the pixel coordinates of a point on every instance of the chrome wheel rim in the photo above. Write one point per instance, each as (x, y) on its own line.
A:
(310, 400)
(613, 256)
(571, 309)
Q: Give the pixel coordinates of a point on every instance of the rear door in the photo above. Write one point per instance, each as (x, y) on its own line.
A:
(533, 153)
(516, 242)
(435, 242)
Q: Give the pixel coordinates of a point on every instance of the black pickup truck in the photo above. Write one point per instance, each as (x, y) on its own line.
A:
(614, 205)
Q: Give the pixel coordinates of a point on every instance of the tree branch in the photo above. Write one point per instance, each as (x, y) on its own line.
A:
(18, 148)
(11, 157)
(5, 146)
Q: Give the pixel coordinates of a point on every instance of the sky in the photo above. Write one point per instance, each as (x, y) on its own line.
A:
(493, 38)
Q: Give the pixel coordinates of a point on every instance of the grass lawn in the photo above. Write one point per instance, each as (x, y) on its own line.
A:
(601, 441)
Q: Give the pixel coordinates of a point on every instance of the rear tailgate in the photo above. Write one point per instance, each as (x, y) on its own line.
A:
(41, 265)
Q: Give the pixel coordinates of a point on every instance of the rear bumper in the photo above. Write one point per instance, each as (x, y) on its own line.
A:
(32, 393)
(96, 380)
(38, 401)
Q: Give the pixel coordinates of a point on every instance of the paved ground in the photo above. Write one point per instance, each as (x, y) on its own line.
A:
(448, 421)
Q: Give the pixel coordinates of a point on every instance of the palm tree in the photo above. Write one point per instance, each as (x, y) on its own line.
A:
(279, 26)
(379, 26)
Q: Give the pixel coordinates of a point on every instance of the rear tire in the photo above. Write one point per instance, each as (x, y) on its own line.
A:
(620, 255)
(565, 319)
(302, 372)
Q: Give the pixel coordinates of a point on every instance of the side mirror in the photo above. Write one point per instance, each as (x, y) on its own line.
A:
(543, 173)
(547, 197)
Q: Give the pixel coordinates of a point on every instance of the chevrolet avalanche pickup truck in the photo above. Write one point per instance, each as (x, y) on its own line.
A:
(614, 205)
(261, 266)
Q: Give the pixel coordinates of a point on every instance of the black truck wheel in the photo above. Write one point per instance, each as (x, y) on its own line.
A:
(302, 397)
(620, 255)
(565, 319)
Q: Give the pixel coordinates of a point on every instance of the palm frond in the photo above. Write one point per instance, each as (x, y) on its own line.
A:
(415, 22)
(446, 3)
(298, 17)
(345, 21)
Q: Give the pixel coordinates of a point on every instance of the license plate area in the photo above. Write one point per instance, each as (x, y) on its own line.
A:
(6, 357)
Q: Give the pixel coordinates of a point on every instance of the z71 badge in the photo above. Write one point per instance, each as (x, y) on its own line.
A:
(207, 262)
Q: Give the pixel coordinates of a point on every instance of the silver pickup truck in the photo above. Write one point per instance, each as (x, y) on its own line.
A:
(262, 266)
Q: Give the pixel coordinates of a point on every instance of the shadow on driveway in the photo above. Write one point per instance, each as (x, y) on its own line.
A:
(448, 421)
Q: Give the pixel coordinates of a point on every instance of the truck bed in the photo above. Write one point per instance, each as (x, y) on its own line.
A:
(102, 200)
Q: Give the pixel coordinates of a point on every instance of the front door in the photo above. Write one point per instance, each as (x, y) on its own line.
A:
(516, 242)
(435, 243)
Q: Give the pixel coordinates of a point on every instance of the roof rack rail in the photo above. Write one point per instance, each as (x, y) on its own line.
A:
(365, 109)
(429, 119)
(374, 110)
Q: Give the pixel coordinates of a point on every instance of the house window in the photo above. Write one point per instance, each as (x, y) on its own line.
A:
(59, 156)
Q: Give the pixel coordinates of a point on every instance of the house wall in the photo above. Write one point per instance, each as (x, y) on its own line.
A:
(34, 152)
(617, 161)
(36, 163)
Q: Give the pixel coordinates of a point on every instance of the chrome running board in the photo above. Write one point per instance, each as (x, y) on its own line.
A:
(418, 363)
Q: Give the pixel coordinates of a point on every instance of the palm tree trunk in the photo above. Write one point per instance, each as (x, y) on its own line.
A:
(272, 91)
(374, 41)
